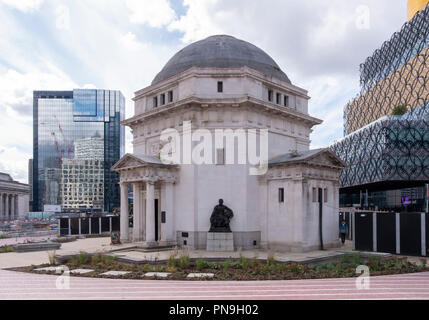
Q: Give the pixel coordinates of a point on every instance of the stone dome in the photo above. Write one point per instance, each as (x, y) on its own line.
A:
(221, 51)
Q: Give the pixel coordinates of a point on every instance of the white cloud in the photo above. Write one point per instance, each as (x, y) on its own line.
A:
(315, 42)
(14, 162)
(24, 5)
(199, 21)
(155, 13)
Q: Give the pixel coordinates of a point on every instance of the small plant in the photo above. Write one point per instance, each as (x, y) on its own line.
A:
(270, 258)
(294, 153)
(73, 261)
(52, 258)
(83, 257)
(109, 260)
(201, 264)
(399, 110)
(96, 259)
(184, 261)
(172, 261)
(356, 258)
(227, 264)
(423, 262)
(6, 249)
(244, 263)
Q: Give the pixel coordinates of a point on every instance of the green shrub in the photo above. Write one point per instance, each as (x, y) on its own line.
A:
(73, 261)
(6, 249)
(201, 264)
(183, 262)
(399, 110)
(356, 258)
(227, 264)
(172, 261)
(96, 259)
(109, 260)
(83, 257)
(244, 263)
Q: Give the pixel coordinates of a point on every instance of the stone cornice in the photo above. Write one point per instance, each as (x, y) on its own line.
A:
(244, 100)
(220, 72)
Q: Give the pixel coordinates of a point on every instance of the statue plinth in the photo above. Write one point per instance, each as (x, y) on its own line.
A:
(220, 237)
(220, 241)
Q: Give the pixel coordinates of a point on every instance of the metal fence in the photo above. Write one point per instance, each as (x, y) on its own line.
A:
(86, 226)
(396, 233)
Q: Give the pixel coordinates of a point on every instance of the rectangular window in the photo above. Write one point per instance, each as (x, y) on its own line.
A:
(286, 101)
(270, 95)
(155, 102)
(325, 195)
(219, 86)
(315, 196)
(278, 98)
(170, 96)
(220, 156)
(281, 195)
(162, 99)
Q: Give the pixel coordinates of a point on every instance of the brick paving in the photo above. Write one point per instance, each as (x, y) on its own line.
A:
(17, 285)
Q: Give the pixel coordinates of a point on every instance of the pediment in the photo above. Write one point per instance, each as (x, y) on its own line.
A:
(128, 161)
(327, 158)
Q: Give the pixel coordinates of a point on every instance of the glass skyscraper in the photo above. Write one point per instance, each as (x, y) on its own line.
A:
(77, 139)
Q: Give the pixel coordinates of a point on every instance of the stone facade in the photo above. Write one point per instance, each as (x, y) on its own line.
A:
(14, 198)
(229, 98)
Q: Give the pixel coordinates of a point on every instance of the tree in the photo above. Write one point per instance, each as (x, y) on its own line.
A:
(399, 110)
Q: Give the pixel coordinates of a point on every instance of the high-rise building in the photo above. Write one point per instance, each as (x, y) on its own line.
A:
(83, 126)
(386, 147)
(82, 178)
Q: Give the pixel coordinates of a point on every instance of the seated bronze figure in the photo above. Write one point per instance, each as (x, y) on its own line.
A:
(220, 218)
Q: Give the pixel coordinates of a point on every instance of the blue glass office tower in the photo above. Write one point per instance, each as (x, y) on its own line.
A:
(64, 121)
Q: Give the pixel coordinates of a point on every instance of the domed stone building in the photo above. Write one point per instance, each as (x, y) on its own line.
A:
(287, 200)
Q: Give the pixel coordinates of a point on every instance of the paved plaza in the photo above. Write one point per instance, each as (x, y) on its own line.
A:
(17, 285)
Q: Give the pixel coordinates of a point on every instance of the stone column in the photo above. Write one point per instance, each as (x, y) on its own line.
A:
(12, 207)
(16, 211)
(150, 213)
(169, 211)
(6, 211)
(137, 212)
(1, 207)
(124, 213)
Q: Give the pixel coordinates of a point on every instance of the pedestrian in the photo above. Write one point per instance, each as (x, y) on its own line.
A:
(344, 229)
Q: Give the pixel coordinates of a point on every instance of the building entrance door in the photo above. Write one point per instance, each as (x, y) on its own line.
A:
(156, 220)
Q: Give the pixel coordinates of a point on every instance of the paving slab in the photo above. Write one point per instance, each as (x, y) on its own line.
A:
(200, 275)
(49, 269)
(114, 273)
(157, 274)
(81, 271)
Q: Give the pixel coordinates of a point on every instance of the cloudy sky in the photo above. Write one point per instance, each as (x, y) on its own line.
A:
(122, 44)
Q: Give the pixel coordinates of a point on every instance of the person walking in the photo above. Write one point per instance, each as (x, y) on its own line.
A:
(344, 229)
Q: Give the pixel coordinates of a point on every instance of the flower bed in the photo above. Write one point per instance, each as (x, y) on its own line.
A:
(240, 269)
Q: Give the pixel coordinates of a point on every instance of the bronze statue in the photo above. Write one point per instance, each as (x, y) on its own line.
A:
(220, 218)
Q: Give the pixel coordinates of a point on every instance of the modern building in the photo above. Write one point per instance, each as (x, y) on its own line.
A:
(222, 84)
(14, 198)
(77, 130)
(386, 143)
(82, 178)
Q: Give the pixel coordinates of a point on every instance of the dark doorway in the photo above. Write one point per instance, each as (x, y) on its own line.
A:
(364, 231)
(386, 232)
(411, 236)
(156, 219)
